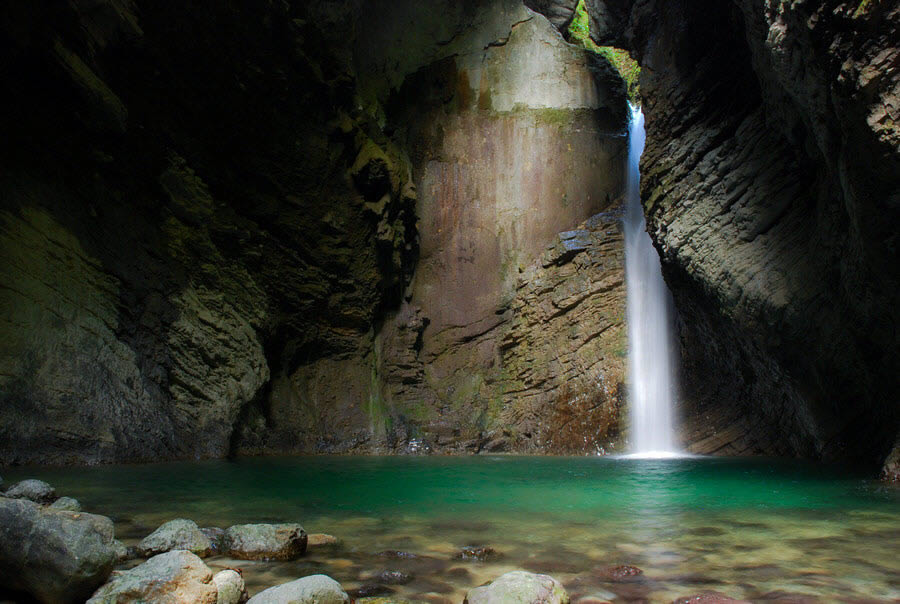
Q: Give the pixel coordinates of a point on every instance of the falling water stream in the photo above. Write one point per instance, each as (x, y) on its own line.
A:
(649, 319)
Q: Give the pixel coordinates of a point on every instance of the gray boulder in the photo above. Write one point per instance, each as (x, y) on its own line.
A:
(53, 555)
(519, 587)
(179, 534)
(265, 541)
(66, 503)
(315, 589)
(37, 491)
(230, 587)
(177, 577)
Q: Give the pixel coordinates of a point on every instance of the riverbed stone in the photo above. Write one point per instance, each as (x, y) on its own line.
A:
(619, 573)
(709, 597)
(178, 534)
(69, 504)
(315, 589)
(53, 555)
(479, 553)
(265, 541)
(394, 577)
(230, 587)
(519, 587)
(317, 539)
(177, 577)
(37, 491)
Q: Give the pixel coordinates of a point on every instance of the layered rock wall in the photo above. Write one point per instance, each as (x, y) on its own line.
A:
(191, 200)
(513, 136)
(770, 181)
(209, 219)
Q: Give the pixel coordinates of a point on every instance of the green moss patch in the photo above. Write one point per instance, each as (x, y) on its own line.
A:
(628, 68)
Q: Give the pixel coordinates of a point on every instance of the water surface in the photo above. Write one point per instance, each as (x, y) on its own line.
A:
(755, 529)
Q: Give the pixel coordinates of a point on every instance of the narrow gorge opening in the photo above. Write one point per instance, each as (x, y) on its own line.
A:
(359, 277)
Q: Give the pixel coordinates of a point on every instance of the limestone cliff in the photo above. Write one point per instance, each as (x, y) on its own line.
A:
(513, 136)
(770, 180)
(209, 218)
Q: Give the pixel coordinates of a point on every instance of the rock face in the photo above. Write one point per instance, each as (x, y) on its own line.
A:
(177, 577)
(519, 587)
(770, 181)
(513, 138)
(53, 555)
(184, 224)
(265, 541)
(222, 217)
(179, 534)
(315, 589)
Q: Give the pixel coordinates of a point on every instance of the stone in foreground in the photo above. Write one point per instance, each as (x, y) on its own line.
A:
(177, 577)
(230, 587)
(519, 587)
(316, 589)
(178, 534)
(54, 555)
(37, 491)
(265, 541)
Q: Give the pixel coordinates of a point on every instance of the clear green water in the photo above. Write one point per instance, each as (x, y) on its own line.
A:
(748, 528)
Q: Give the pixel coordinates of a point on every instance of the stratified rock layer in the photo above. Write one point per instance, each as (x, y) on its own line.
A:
(513, 136)
(771, 181)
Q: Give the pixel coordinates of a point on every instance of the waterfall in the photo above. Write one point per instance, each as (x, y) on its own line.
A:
(649, 319)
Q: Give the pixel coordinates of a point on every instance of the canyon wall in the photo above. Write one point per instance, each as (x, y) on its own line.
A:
(770, 182)
(514, 137)
(208, 224)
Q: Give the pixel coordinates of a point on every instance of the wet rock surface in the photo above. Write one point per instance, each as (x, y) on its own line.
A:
(53, 555)
(178, 534)
(265, 541)
(519, 587)
(177, 577)
(315, 589)
(478, 553)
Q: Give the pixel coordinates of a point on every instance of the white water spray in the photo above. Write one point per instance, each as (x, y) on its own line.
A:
(649, 320)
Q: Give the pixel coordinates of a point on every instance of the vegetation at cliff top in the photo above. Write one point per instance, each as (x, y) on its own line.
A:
(628, 68)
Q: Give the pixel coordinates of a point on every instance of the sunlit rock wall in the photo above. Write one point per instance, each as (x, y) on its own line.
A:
(771, 182)
(513, 137)
(511, 144)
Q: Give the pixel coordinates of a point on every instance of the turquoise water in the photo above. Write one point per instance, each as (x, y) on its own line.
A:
(748, 528)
